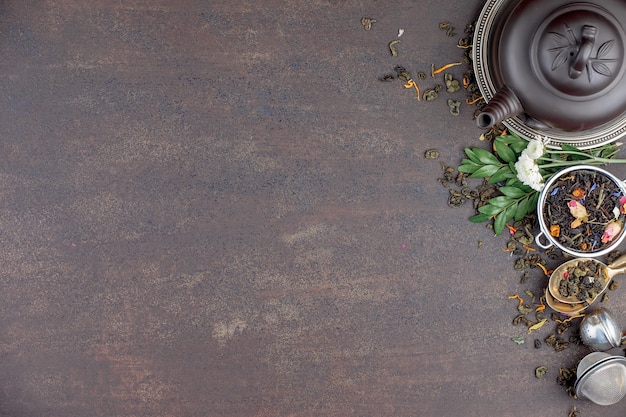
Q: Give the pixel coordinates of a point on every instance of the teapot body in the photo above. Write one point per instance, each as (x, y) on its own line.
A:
(564, 62)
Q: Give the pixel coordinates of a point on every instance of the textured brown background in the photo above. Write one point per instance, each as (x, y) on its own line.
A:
(213, 208)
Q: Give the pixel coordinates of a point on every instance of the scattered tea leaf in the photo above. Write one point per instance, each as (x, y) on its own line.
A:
(541, 371)
(525, 309)
(455, 107)
(392, 47)
(431, 154)
(367, 22)
(518, 340)
(452, 85)
(430, 95)
(456, 199)
(537, 325)
(402, 73)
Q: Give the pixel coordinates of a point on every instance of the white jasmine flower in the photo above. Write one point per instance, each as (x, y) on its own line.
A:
(535, 149)
(528, 172)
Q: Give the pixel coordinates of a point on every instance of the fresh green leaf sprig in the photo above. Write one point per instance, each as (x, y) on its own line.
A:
(519, 169)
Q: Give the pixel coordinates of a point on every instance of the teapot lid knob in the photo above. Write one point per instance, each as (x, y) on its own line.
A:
(578, 53)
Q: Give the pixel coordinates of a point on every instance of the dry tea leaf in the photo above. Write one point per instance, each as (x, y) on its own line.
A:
(563, 327)
(431, 154)
(455, 107)
(430, 95)
(518, 340)
(452, 85)
(402, 73)
(456, 199)
(541, 371)
(392, 47)
(468, 192)
(519, 319)
(367, 22)
(537, 326)
(612, 256)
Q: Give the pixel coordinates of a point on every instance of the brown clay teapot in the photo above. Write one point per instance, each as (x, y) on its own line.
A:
(557, 65)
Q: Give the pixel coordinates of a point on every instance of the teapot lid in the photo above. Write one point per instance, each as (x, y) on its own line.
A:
(564, 60)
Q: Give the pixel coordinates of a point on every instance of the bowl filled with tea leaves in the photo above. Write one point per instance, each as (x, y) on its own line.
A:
(582, 211)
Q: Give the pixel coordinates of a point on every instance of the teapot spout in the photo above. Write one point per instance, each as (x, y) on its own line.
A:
(503, 105)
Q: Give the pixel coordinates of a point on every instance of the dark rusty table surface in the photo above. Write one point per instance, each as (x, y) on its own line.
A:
(214, 208)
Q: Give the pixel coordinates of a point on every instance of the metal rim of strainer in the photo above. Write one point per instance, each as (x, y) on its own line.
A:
(592, 369)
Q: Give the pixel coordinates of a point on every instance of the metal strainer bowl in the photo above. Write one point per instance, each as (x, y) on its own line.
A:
(601, 378)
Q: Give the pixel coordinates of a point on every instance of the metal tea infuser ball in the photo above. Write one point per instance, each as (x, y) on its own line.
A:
(601, 378)
(599, 331)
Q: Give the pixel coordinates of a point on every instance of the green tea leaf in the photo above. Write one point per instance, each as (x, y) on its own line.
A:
(489, 210)
(479, 218)
(468, 166)
(512, 192)
(501, 201)
(498, 223)
(504, 152)
(511, 139)
(507, 139)
(515, 182)
(472, 156)
(470, 162)
(486, 157)
(522, 208)
(511, 211)
(502, 218)
(534, 198)
(502, 174)
(485, 171)
(518, 340)
(519, 146)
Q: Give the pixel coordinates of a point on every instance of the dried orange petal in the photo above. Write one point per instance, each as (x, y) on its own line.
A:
(555, 230)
